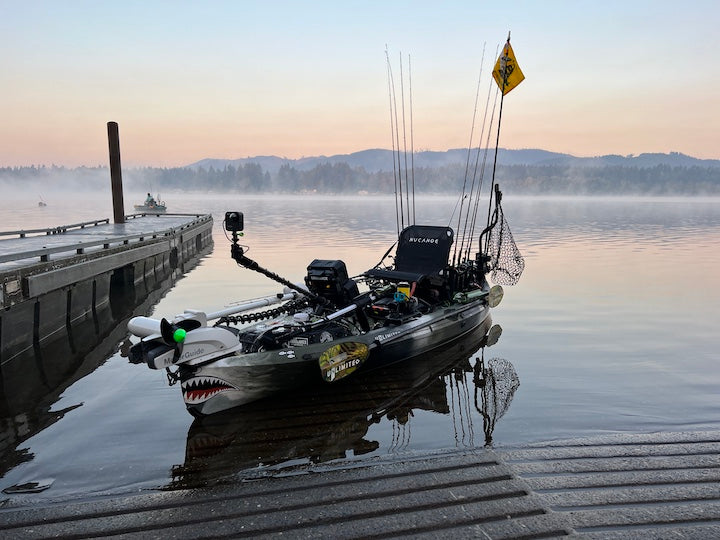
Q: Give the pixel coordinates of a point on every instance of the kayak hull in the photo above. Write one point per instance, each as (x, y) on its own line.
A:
(241, 378)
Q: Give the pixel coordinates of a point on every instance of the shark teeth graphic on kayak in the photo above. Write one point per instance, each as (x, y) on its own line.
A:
(199, 389)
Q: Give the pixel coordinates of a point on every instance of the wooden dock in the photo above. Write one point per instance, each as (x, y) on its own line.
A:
(53, 279)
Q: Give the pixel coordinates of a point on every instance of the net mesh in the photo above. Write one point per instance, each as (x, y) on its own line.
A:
(506, 262)
(498, 386)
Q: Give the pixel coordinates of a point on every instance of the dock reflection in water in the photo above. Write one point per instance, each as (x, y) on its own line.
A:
(32, 382)
(325, 422)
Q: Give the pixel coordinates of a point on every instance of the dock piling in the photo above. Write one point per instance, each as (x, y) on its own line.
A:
(116, 173)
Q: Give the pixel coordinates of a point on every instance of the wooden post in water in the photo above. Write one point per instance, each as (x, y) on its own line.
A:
(116, 173)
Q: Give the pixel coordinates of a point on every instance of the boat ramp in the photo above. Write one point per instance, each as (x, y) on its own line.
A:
(661, 485)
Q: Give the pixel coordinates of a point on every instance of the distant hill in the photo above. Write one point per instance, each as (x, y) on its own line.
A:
(528, 171)
(378, 160)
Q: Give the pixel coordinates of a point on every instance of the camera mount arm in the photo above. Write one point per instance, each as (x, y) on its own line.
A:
(234, 224)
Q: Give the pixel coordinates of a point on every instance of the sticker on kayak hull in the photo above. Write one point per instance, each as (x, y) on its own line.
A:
(342, 359)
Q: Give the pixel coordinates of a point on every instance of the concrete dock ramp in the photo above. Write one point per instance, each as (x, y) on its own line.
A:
(444, 496)
(629, 486)
(661, 485)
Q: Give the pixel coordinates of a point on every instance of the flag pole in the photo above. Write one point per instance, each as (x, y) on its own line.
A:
(497, 140)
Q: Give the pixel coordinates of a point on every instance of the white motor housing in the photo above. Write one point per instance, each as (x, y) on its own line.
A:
(199, 346)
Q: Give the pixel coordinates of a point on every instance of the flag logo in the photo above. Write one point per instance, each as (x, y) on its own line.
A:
(506, 72)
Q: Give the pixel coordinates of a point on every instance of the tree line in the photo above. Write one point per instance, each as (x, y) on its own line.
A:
(330, 178)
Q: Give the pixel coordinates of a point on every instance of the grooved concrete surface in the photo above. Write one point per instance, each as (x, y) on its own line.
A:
(630, 486)
(664, 485)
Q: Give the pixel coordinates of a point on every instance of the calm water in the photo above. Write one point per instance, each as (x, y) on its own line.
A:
(613, 328)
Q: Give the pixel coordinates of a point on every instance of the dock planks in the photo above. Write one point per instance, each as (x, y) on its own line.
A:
(21, 249)
(51, 278)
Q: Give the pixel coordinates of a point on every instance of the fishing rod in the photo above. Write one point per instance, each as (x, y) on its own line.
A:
(404, 177)
(473, 224)
(391, 94)
(402, 100)
(396, 146)
(497, 144)
(412, 144)
(467, 163)
(469, 235)
(458, 250)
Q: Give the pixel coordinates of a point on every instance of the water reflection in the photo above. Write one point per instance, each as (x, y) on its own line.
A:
(496, 383)
(324, 422)
(33, 381)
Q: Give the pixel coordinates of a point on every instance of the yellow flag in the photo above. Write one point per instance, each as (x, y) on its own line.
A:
(506, 72)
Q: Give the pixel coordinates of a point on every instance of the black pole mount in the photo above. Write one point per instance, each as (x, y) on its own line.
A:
(238, 255)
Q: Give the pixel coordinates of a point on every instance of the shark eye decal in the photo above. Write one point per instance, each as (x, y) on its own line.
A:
(199, 389)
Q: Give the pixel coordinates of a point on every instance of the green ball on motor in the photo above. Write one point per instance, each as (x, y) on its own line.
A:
(179, 335)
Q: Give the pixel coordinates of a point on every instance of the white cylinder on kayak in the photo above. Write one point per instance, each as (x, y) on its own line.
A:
(144, 326)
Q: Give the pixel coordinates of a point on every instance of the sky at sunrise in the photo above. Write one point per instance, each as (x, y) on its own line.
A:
(230, 79)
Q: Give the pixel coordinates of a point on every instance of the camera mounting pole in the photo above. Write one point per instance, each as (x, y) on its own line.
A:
(234, 223)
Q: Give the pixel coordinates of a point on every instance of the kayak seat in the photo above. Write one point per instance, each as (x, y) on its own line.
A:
(394, 275)
(422, 255)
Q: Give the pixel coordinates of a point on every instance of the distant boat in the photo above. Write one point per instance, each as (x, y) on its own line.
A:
(151, 205)
(42, 203)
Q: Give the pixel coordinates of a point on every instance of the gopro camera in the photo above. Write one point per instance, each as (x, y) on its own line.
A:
(233, 221)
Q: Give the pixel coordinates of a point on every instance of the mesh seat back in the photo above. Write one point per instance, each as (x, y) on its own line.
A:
(423, 249)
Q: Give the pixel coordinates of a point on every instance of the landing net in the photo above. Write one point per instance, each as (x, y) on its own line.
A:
(506, 263)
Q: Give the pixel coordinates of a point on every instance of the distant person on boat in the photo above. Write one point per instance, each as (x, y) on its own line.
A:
(149, 201)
